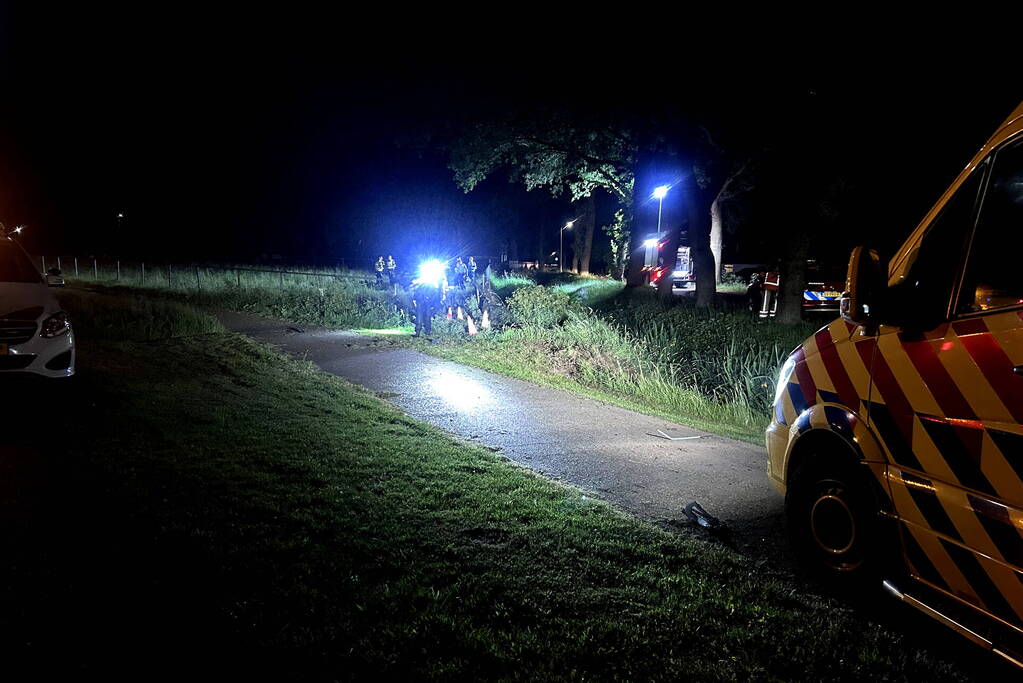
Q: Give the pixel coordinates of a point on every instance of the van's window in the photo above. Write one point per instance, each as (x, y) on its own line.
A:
(15, 266)
(992, 276)
(927, 287)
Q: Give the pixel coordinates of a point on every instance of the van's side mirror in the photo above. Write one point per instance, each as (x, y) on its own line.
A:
(864, 283)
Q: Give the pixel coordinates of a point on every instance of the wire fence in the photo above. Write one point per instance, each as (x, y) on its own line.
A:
(195, 276)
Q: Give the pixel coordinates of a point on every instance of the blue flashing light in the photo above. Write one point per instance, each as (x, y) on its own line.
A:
(431, 271)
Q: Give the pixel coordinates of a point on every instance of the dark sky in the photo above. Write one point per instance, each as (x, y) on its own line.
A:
(223, 137)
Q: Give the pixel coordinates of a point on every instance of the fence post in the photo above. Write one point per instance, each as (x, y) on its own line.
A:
(143, 273)
(198, 285)
(118, 270)
(58, 263)
(282, 280)
(44, 263)
(95, 270)
(76, 266)
(170, 274)
(238, 274)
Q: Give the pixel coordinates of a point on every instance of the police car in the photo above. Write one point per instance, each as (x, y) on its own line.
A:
(897, 434)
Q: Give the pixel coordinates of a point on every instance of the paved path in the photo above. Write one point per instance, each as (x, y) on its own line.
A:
(612, 452)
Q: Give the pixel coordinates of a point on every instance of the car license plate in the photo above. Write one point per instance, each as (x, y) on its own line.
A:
(831, 295)
(3, 350)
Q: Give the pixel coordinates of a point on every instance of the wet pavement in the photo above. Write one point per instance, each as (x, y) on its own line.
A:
(645, 465)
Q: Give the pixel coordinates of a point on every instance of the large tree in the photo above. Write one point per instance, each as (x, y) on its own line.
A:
(557, 151)
(565, 151)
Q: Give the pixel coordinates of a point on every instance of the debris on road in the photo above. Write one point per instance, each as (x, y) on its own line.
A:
(695, 512)
(661, 435)
(295, 330)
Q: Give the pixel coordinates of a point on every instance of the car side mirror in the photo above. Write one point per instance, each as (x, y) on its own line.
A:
(863, 285)
(54, 278)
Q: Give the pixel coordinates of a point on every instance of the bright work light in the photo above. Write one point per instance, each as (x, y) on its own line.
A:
(652, 242)
(431, 271)
(660, 192)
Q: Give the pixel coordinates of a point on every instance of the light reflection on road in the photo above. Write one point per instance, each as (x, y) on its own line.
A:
(460, 392)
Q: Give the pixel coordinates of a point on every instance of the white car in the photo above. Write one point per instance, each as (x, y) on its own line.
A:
(35, 334)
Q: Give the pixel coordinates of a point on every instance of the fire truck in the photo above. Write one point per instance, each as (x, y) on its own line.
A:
(820, 295)
(682, 275)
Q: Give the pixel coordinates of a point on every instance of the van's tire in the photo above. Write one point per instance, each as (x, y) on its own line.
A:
(834, 522)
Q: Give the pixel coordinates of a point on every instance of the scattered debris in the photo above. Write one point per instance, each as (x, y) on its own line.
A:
(661, 435)
(695, 512)
(295, 330)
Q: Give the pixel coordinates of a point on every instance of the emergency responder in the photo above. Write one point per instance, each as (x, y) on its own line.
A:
(472, 268)
(427, 297)
(379, 267)
(392, 270)
(461, 273)
(755, 295)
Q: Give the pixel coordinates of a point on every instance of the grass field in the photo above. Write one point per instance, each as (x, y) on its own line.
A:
(212, 509)
(712, 369)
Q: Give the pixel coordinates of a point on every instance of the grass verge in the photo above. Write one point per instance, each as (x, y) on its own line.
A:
(224, 509)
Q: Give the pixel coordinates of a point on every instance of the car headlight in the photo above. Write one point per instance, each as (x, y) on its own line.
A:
(783, 377)
(56, 325)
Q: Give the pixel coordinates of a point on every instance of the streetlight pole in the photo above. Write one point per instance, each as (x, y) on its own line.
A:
(659, 194)
(561, 246)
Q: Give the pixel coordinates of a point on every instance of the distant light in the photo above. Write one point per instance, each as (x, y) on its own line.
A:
(19, 229)
(661, 192)
(568, 225)
(652, 242)
(120, 215)
(431, 271)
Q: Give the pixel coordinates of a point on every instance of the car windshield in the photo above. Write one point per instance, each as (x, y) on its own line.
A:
(15, 266)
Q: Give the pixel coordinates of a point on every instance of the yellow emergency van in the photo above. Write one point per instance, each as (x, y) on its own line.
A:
(897, 434)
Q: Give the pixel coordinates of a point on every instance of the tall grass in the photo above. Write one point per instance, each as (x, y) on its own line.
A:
(505, 286)
(324, 297)
(131, 317)
(716, 367)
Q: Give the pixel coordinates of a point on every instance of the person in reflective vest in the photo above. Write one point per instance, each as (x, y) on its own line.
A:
(379, 267)
(392, 269)
(461, 273)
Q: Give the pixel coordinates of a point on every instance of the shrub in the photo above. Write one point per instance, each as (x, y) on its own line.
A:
(536, 305)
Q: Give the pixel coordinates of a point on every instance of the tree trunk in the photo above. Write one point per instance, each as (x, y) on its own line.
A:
(716, 238)
(635, 276)
(586, 224)
(699, 203)
(793, 275)
(669, 256)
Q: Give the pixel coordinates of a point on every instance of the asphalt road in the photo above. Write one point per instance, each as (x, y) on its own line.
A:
(615, 454)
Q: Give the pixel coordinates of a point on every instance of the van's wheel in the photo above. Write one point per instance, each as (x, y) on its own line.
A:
(833, 521)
